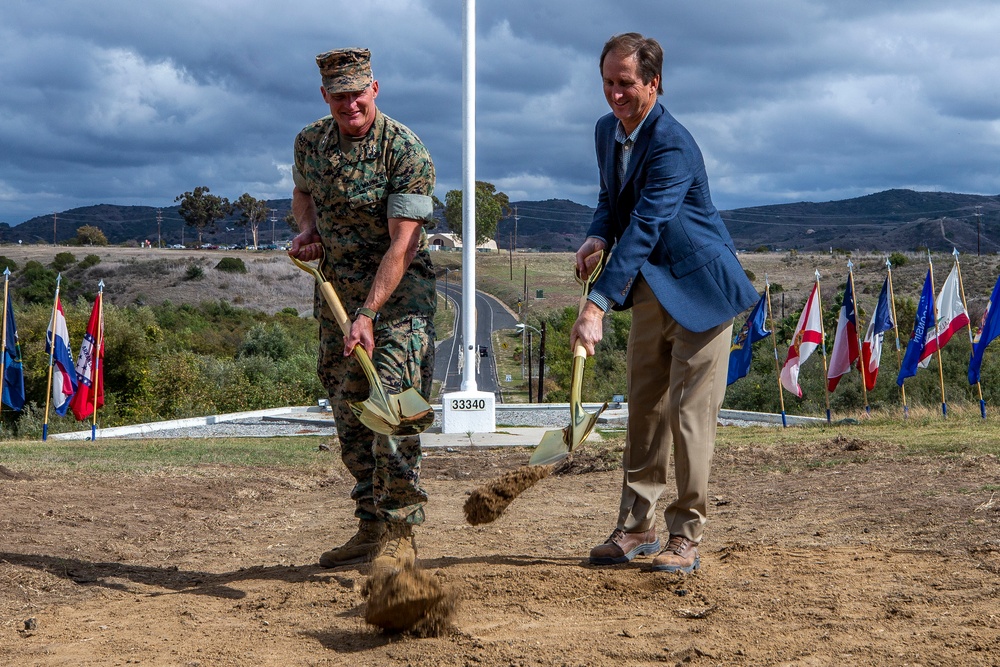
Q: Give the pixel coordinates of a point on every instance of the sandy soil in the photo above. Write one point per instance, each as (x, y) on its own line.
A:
(843, 553)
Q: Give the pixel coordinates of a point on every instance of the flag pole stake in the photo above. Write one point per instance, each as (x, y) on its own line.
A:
(52, 354)
(965, 305)
(822, 346)
(895, 329)
(97, 357)
(774, 345)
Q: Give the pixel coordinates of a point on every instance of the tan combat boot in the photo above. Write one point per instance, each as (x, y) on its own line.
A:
(364, 546)
(399, 548)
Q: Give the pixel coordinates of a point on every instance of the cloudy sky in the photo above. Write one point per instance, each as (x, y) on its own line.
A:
(133, 103)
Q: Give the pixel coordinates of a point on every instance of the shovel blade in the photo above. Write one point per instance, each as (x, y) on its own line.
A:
(583, 423)
(411, 406)
(395, 414)
(552, 448)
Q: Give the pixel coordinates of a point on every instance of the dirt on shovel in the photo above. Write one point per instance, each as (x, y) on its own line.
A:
(488, 502)
(409, 599)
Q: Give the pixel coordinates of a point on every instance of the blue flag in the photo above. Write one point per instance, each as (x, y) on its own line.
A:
(988, 330)
(13, 373)
(922, 323)
(741, 352)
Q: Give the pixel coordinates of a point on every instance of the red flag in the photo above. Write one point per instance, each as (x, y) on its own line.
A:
(845, 345)
(808, 335)
(90, 366)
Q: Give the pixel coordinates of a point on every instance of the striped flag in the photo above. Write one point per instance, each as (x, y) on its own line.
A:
(845, 345)
(807, 337)
(63, 371)
(871, 349)
(951, 317)
(90, 367)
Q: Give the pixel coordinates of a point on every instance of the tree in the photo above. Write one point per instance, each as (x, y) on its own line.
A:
(491, 208)
(90, 235)
(202, 210)
(252, 212)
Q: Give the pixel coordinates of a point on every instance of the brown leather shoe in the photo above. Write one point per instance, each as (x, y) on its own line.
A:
(621, 547)
(680, 555)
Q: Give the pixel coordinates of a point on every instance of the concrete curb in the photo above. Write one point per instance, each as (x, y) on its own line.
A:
(615, 415)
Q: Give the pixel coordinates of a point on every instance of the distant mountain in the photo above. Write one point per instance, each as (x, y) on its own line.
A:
(123, 224)
(891, 220)
(552, 225)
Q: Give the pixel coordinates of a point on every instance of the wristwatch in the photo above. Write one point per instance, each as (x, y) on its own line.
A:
(367, 312)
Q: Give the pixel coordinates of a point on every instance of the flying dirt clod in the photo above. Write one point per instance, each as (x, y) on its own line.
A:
(489, 501)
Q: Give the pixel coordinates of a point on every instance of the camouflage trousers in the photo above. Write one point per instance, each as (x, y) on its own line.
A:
(386, 469)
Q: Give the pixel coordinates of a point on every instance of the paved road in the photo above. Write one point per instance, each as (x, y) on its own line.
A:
(491, 315)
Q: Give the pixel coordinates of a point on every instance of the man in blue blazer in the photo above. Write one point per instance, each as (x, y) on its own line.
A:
(673, 263)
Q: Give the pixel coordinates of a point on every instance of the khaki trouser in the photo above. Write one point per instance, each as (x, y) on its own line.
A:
(676, 384)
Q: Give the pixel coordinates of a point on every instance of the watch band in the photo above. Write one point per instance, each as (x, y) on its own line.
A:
(367, 312)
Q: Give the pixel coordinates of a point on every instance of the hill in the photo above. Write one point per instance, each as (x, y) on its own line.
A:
(903, 220)
(135, 224)
(892, 220)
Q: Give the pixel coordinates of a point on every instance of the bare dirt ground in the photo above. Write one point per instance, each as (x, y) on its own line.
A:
(845, 552)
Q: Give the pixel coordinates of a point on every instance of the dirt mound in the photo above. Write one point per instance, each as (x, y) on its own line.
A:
(409, 600)
(489, 501)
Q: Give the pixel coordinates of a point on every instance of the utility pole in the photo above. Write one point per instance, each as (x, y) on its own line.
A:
(541, 363)
(274, 212)
(515, 226)
(978, 209)
(159, 223)
(530, 397)
(55, 217)
(510, 257)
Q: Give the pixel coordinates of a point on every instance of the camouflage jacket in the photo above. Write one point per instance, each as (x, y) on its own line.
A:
(352, 196)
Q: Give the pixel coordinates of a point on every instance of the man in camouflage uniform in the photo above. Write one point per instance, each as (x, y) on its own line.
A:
(363, 186)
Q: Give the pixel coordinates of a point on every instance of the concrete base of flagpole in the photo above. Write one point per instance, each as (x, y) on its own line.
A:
(468, 412)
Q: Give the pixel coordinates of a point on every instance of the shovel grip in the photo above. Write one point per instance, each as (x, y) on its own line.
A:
(336, 306)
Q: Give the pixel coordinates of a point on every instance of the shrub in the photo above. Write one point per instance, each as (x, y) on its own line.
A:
(231, 265)
(266, 341)
(897, 259)
(89, 261)
(36, 283)
(63, 261)
(7, 263)
(194, 272)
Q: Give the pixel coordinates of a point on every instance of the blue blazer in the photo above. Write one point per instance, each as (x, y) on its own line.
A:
(660, 222)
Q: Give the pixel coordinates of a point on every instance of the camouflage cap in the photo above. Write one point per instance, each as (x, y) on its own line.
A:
(345, 70)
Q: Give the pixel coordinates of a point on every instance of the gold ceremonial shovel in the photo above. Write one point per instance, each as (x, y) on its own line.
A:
(406, 413)
(556, 445)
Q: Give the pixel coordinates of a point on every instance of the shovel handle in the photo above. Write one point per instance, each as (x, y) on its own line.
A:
(343, 320)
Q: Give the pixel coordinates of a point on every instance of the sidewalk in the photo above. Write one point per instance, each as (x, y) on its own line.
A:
(315, 420)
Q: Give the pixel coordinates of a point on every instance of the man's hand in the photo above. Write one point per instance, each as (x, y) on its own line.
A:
(306, 246)
(363, 334)
(589, 247)
(588, 330)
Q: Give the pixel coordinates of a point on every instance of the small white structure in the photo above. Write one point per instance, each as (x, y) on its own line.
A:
(447, 240)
